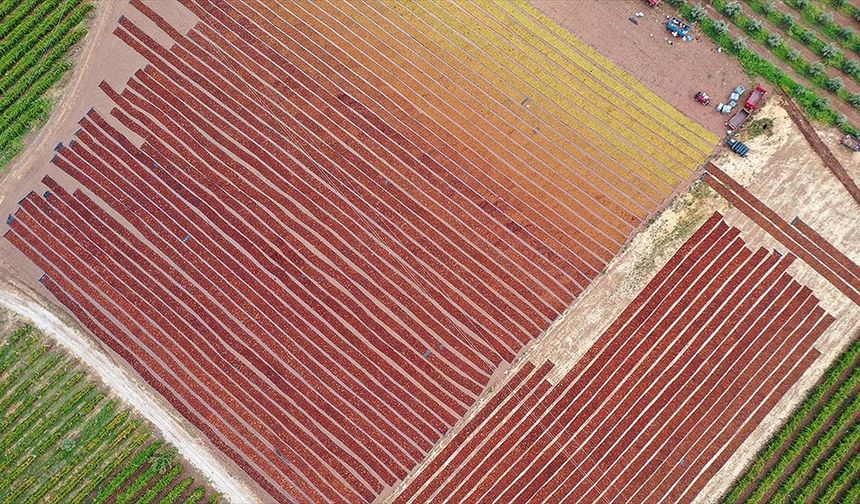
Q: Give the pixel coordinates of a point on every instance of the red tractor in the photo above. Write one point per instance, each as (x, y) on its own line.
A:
(703, 98)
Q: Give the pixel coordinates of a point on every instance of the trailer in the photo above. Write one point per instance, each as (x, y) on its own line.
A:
(751, 104)
(755, 98)
(738, 119)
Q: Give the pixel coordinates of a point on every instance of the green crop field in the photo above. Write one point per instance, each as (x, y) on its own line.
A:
(815, 456)
(63, 440)
(36, 36)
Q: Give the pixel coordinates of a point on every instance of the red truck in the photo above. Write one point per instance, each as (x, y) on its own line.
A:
(743, 114)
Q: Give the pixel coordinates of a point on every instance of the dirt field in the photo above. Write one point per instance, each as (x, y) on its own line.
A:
(675, 72)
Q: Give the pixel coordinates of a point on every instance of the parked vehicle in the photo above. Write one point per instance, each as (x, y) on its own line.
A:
(851, 142)
(737, 146)
(755, 98)
(677, 27)
(751, 104)
(738, 119)
(703, 98)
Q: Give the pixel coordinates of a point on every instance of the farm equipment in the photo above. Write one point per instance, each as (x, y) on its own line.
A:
(677, 27)
(751, 104)
(851, 142)
(755, 98)
(726, 108)
(737, 146)
(703, 98)
(738, 119)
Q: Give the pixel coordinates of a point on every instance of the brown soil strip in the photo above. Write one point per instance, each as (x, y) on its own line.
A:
(831, 476)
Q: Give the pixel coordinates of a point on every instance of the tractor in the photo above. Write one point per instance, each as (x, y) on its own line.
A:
(703, 98)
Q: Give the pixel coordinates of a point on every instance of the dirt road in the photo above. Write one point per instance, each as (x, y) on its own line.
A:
(125, 387)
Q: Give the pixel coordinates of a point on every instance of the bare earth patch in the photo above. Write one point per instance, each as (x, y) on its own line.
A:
(675, 72)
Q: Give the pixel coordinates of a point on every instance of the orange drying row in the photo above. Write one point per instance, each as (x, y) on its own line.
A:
(343, 217)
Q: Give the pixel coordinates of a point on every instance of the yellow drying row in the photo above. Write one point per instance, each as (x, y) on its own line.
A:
(568, 147)
(511, 71)
(632, 89)
(699, 142)
(531, 57)
(456, 110)
(547, 69)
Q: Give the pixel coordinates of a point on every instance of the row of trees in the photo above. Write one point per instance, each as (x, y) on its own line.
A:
(829, 52)
(814, 71)
(815, 105)
(35, 38)
(845, 7)
(827, 24)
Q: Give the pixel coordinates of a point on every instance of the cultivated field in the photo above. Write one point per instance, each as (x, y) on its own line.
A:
(657, 404)
(64, 441)
(393, 252)
(318, 248)
(36, 36)
(814, 456)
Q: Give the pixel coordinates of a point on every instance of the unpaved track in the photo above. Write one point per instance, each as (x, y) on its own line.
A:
(129, 390)
(38, 144)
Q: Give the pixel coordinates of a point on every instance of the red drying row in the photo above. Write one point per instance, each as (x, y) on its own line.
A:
(658, 404)
(321, 170)
(797, 237)
(322, 62)
(321, 292)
